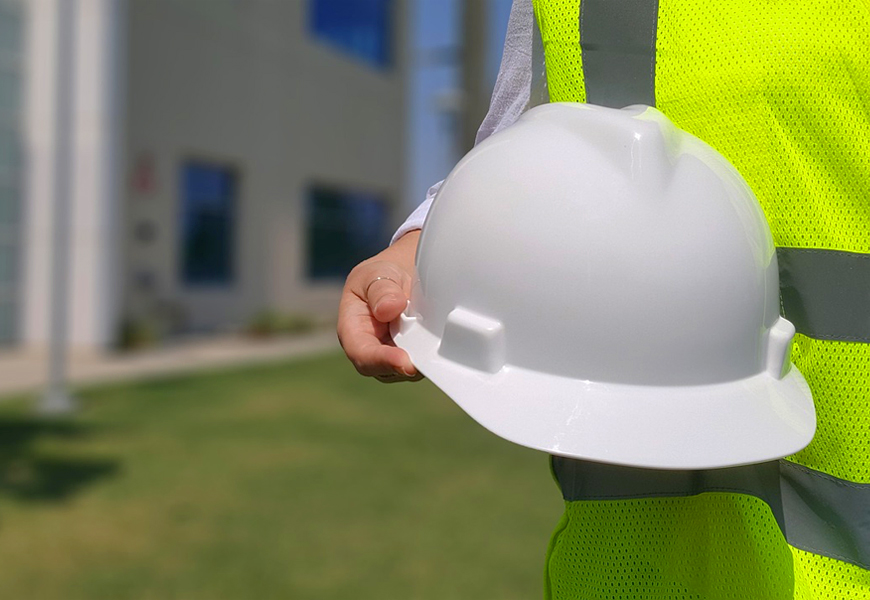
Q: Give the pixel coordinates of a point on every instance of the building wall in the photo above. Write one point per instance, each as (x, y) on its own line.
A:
(244, 84)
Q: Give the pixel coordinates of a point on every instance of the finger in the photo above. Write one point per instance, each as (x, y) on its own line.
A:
(374, 296)
(386, 299)
(381, 360)
(396, 378)
(367, 343)
(383, 286)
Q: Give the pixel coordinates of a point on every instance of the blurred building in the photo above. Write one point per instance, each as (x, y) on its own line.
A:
(10, 185)
(223, 157)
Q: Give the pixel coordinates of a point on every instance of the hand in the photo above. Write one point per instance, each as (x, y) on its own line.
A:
(375, 293)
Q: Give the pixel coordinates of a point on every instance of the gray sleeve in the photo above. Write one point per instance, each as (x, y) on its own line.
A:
(520, 84)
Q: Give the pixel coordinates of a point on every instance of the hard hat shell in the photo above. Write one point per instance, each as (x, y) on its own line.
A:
(599, 284)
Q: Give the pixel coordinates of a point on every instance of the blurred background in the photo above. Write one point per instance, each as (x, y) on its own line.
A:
(184, 185)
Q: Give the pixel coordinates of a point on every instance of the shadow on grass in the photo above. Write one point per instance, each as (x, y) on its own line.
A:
(31, 474)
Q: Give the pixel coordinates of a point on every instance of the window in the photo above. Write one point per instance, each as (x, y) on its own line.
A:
(208, 195)
(344, 228)
(362, 28)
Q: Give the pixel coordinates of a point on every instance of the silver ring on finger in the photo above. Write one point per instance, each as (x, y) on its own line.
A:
(375, 280)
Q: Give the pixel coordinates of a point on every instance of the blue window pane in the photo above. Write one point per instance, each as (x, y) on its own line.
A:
(208, 198)
(362, 28)
(344, 228)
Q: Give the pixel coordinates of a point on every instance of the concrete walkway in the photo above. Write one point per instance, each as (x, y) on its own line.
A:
(27, 372)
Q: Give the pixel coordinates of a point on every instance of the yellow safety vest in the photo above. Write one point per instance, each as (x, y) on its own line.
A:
(782, 89)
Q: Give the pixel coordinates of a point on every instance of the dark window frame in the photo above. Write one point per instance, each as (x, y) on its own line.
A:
(225, 275)
(361, 244)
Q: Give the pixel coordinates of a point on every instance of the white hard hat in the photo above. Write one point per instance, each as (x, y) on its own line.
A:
(599, 284)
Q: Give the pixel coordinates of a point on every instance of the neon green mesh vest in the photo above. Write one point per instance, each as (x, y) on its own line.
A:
(781, 88)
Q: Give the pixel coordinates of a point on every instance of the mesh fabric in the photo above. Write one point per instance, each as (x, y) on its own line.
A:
(839, 375)
(670, 549)
(822, 578)
(781, 89)
(559, 23)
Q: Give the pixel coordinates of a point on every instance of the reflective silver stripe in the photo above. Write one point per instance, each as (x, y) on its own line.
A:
(817, 512)
(826, 515)
(826, 293)
(618, 41)
(584, 480)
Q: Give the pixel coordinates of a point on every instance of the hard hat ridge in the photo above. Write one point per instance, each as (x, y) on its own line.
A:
(644, 149)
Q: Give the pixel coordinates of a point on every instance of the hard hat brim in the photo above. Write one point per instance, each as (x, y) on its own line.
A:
(752, 420)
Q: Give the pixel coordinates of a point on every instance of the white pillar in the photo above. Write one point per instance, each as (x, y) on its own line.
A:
(96, 167)
(40, 139)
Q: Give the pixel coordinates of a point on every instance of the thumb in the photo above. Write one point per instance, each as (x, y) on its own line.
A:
(386, 298)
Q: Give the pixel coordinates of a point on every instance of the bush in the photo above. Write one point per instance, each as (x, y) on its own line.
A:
(267, 323)
(137, 333)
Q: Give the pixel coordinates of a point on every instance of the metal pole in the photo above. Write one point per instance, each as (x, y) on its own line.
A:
(56, 399)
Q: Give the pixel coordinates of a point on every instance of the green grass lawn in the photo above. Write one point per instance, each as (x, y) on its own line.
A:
(299, 480)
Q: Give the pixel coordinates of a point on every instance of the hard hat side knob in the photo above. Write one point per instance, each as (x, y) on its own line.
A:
(779, 340)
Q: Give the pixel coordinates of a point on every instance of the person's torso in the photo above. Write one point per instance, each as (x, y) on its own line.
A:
(782, 89)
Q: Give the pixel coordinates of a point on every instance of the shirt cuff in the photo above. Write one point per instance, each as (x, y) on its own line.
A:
(416, 219)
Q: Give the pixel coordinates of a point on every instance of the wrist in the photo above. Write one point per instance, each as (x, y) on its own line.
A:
(403, 251)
